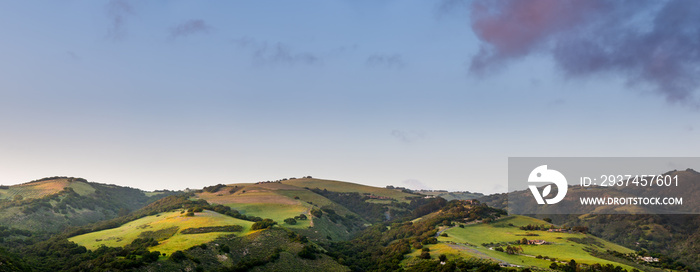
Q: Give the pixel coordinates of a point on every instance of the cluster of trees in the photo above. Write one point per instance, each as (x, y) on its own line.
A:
(510, 249)
(214, 188)
(7, 232)
(537, 227)
(293, 220)
(62, 255)
(264, 224)
(228, 228)
(281, 180)
(460, 264)
(356, 203)
(375, 212)
(572, 266)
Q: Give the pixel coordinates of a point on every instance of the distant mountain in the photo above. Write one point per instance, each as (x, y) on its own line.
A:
(450, 195)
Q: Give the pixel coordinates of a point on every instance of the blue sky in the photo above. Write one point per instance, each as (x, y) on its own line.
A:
(431, 94)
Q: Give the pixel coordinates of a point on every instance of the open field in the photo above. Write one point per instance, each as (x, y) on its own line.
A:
(338, 186)
(272, 200)
(43, 188)
(128, 232)
(471, 237)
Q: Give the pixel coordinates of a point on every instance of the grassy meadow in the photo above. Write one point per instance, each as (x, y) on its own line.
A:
(471, 237)
(128, 232)
(43, 188)
(347, 187)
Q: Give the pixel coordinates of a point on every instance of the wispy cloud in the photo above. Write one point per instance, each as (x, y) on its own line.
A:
(415, 184)
(391, 61)
(189, 28)
(273, 53)
(649, 43)
(73, 56)
(117, 12)
(407, 136)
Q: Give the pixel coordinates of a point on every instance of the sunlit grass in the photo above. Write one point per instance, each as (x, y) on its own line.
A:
(128, 232)
(500, 232)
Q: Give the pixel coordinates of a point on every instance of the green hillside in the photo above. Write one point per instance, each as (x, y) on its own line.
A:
(348, 187)
(51, 205)
(45, 187)
(267, 250)
(675, 236)
(168, 228)
(325, 219)
(481, 239)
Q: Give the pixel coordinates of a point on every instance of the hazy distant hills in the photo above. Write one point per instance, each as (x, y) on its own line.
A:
(688, 186)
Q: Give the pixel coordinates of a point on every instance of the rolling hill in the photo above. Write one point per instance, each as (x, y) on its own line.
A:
(52, 204)
(348, 187)
(481, 239)
(168, 228)
(286, 225)
(672, 235)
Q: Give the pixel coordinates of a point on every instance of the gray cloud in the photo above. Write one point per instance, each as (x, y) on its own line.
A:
(445, 7)
(407, 136)
(391, 61)
(272, 53)
(117, 12)
(188, 28)
(73, 56)
(649, 43)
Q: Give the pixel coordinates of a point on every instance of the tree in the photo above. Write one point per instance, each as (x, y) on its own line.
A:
(290, 221)
(442, 257)
(178, 256)
(513, 249)
(425, 255)
(225, 249)
(571, 266)
(547, 219)
(308, 252)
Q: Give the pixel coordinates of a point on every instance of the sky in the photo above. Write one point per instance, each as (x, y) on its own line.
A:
(419, 94)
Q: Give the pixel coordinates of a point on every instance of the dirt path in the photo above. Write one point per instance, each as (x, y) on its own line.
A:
(474, 251)
(311, 217)
(441, 231)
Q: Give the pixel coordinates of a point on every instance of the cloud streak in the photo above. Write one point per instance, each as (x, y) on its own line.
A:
(189, 28)
(391, 61)
(273, 53)
(407, 136)
(649, 43)
(117, 12)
